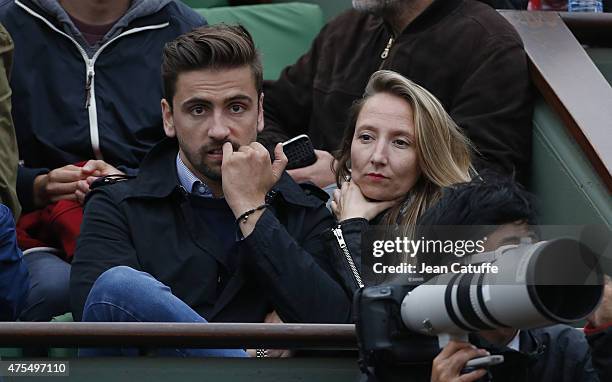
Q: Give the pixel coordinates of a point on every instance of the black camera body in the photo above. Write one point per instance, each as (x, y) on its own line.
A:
(381, 334)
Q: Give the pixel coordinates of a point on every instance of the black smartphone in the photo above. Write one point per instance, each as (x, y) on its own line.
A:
(299, 151)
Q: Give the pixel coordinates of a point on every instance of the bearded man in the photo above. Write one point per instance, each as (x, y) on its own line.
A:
(462, 51)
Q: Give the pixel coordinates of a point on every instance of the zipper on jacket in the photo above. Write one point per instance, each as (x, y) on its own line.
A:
(90, 93)
(385, 52)
(340, 239)
(88, 88)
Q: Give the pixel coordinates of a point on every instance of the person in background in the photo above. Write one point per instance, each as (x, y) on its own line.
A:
(86, 88)
(462, 51)
(9, 157)
(14, 281)
(502, 211)
(554, 353)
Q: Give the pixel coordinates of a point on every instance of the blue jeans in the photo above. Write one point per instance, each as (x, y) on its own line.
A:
(122, 294)
(49, 293)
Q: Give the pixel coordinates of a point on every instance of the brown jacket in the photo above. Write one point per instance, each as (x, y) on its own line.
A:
(462, 51)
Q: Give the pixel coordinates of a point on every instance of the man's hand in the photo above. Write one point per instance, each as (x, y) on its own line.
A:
(58, 184)
(349, 203)
(91, 171)
(272, 318)
(247, 176)
(448, 364)
(603, 313)
(320, 173)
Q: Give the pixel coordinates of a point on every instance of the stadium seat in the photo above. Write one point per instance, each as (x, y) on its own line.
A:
(206, 3)
(282, 32)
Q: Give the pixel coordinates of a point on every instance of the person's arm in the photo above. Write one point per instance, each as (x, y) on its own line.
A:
(104, 243)
(8, 142)
(26, 178)
(296, 273)
(495, 108)
(39, 187)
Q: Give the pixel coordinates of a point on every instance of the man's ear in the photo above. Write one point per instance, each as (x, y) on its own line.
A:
(168, 119)
(260, 114)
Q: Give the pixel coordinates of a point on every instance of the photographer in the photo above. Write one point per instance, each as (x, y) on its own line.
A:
(553, 353)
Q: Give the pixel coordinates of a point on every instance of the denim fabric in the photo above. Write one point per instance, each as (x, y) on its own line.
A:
(122, 294)
(49, 294)
(14, 281)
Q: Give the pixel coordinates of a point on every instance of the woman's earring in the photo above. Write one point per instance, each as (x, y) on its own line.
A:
(347, 177)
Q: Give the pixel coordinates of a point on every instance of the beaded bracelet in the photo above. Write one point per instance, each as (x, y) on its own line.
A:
(243, 218)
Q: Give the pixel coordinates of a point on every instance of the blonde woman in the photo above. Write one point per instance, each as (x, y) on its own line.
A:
(400, 150)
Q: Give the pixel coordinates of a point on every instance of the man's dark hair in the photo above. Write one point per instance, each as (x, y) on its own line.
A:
(493, 201)
(472, 210)
(213, 47)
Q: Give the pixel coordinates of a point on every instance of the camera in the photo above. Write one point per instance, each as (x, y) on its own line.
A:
(555, 281)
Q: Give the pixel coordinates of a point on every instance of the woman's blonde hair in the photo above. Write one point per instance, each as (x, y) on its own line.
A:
(443, 151)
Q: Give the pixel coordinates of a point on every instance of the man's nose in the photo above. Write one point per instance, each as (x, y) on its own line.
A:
(219, 130)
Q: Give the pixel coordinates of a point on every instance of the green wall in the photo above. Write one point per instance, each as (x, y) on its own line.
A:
(331, 8)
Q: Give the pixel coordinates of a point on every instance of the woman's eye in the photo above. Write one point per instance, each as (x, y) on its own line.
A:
(365, 138)
(401, 143)
(237, 108)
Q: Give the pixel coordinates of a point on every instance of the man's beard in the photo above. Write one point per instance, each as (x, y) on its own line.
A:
(199, 164)
(377, 7)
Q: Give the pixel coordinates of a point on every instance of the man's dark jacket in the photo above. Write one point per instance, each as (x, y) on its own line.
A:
(148, 224)
(462, 51)
(54, 70)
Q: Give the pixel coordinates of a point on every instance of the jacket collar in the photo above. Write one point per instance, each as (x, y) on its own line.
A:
(52, 11)
(432, 15)
(158, 178)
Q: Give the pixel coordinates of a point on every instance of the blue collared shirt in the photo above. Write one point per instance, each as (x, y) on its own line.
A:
(196, 186)
(190, 181)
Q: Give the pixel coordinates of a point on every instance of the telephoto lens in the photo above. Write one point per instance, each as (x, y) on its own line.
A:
(556, 281)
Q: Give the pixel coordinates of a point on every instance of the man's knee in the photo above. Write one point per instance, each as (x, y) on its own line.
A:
(119, 279)
(122, 283)
(124, 294)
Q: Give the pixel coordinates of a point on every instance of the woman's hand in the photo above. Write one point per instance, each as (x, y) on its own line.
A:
(350, 203)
